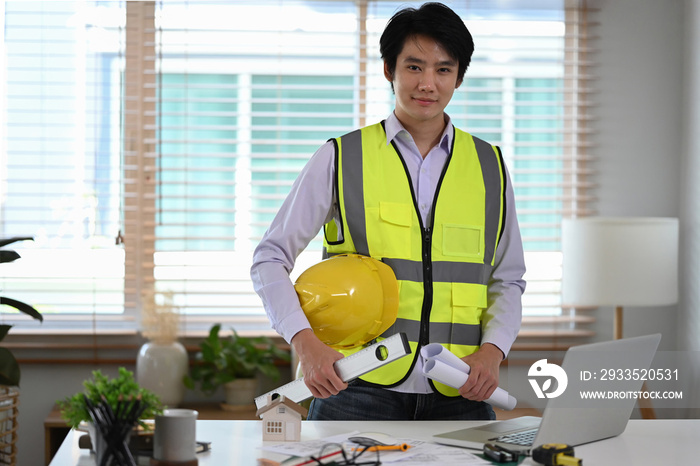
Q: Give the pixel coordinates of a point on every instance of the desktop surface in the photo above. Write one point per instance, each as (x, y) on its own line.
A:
(644, 442)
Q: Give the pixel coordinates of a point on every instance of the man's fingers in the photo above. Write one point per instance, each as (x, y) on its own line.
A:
(317, 365)
(318, 391)
(482, 392)
(325, 388)
(478, 387)
(324, 382)
(488, 391)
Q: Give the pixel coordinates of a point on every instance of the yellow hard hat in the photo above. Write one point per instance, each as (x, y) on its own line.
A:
(349, 299)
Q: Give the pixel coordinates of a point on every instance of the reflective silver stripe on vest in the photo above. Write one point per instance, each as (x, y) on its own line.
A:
(491, 172)
(353, 190)
(450, 272)
(440, 332)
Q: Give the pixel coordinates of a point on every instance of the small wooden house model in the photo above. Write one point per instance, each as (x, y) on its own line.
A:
(281, 419)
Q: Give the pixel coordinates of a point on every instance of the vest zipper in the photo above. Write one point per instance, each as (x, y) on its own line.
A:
(427, 244)
(424, 337)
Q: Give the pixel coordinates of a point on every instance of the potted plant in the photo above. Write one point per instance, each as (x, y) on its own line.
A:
(233, 361)
(124, 387)
(116, 396)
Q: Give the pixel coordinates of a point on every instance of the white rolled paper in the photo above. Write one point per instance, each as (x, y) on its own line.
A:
(439, 352)
(443, 366)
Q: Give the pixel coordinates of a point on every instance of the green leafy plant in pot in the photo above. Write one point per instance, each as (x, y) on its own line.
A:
(228, 360)
(115, 400)
(99, 388)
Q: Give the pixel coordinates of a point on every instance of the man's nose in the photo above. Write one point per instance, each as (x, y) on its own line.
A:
(427, 82)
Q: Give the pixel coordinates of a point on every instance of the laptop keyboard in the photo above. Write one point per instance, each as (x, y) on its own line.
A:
(525, 437)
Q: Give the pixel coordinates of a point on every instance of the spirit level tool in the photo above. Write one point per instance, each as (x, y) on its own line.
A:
(348, 368)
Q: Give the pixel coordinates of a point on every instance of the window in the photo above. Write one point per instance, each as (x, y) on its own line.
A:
(147, 145)
(60, 167)
(274, 427)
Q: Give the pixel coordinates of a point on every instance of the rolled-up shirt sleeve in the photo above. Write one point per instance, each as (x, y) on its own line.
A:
(309, 205)
(501, 320)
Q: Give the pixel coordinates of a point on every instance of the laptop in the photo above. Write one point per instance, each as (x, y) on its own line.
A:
(567, 418)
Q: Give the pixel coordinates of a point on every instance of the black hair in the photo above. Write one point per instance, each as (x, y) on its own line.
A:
(434, 20)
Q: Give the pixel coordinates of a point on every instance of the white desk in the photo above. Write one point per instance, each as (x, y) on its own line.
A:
(644, 442)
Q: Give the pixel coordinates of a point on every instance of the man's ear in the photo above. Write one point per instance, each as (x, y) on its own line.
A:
(387, 74)
(459, 83)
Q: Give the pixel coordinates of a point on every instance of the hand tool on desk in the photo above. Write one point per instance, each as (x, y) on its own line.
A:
(556, 454)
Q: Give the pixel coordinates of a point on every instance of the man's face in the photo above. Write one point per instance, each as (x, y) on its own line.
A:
(424, 81)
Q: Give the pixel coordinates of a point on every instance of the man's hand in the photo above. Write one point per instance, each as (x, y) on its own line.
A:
(316, 360)
(483, 377)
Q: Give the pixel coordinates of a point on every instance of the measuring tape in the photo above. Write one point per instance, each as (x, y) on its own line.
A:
(556, 454)
(349, 368)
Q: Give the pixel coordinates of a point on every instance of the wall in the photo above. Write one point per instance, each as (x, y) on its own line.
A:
(639, 128)
(646, 138)
(689, 312)
(649, 149)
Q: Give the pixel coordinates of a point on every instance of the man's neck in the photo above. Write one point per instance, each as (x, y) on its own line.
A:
(425, 134)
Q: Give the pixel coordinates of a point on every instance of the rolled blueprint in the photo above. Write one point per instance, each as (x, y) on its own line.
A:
(443, 366)
(439, 352)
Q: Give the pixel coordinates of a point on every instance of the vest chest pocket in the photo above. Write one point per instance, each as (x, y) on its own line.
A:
(462, 241)
(393, 229)
(468, 301)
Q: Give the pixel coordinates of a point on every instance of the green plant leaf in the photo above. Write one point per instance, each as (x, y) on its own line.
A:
(123, 387)
(9, 369)
(23, 307)
(4, 329)
(8, 256)
(223, 359)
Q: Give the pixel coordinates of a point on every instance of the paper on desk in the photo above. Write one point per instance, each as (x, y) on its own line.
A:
(443, 455)
(314, 447)
(421, 452)
(426, 453)
(307, 447)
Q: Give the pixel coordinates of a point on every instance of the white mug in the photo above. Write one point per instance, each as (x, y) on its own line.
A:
(175, 435)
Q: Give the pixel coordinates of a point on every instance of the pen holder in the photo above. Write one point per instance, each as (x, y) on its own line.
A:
(113, 427)
(106, 451)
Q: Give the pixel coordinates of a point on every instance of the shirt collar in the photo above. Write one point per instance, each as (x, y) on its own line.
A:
(394, 129)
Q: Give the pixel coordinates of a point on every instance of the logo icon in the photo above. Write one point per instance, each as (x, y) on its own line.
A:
(542, 369)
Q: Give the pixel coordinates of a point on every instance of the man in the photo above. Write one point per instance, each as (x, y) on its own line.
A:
(430, 201)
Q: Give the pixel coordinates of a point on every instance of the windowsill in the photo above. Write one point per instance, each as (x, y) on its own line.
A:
(116, 347)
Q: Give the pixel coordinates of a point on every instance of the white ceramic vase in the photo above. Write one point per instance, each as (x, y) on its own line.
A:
(160, 367)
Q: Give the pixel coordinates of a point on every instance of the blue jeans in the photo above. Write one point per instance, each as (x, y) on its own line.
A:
(360, 402)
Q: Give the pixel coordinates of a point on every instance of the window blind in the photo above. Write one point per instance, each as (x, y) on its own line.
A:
(216, 106)
(60, 168)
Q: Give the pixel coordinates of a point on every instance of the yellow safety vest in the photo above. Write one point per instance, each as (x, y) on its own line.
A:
(443, 268)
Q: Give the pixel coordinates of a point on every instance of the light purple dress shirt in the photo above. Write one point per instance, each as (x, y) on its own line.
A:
(310, 204)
